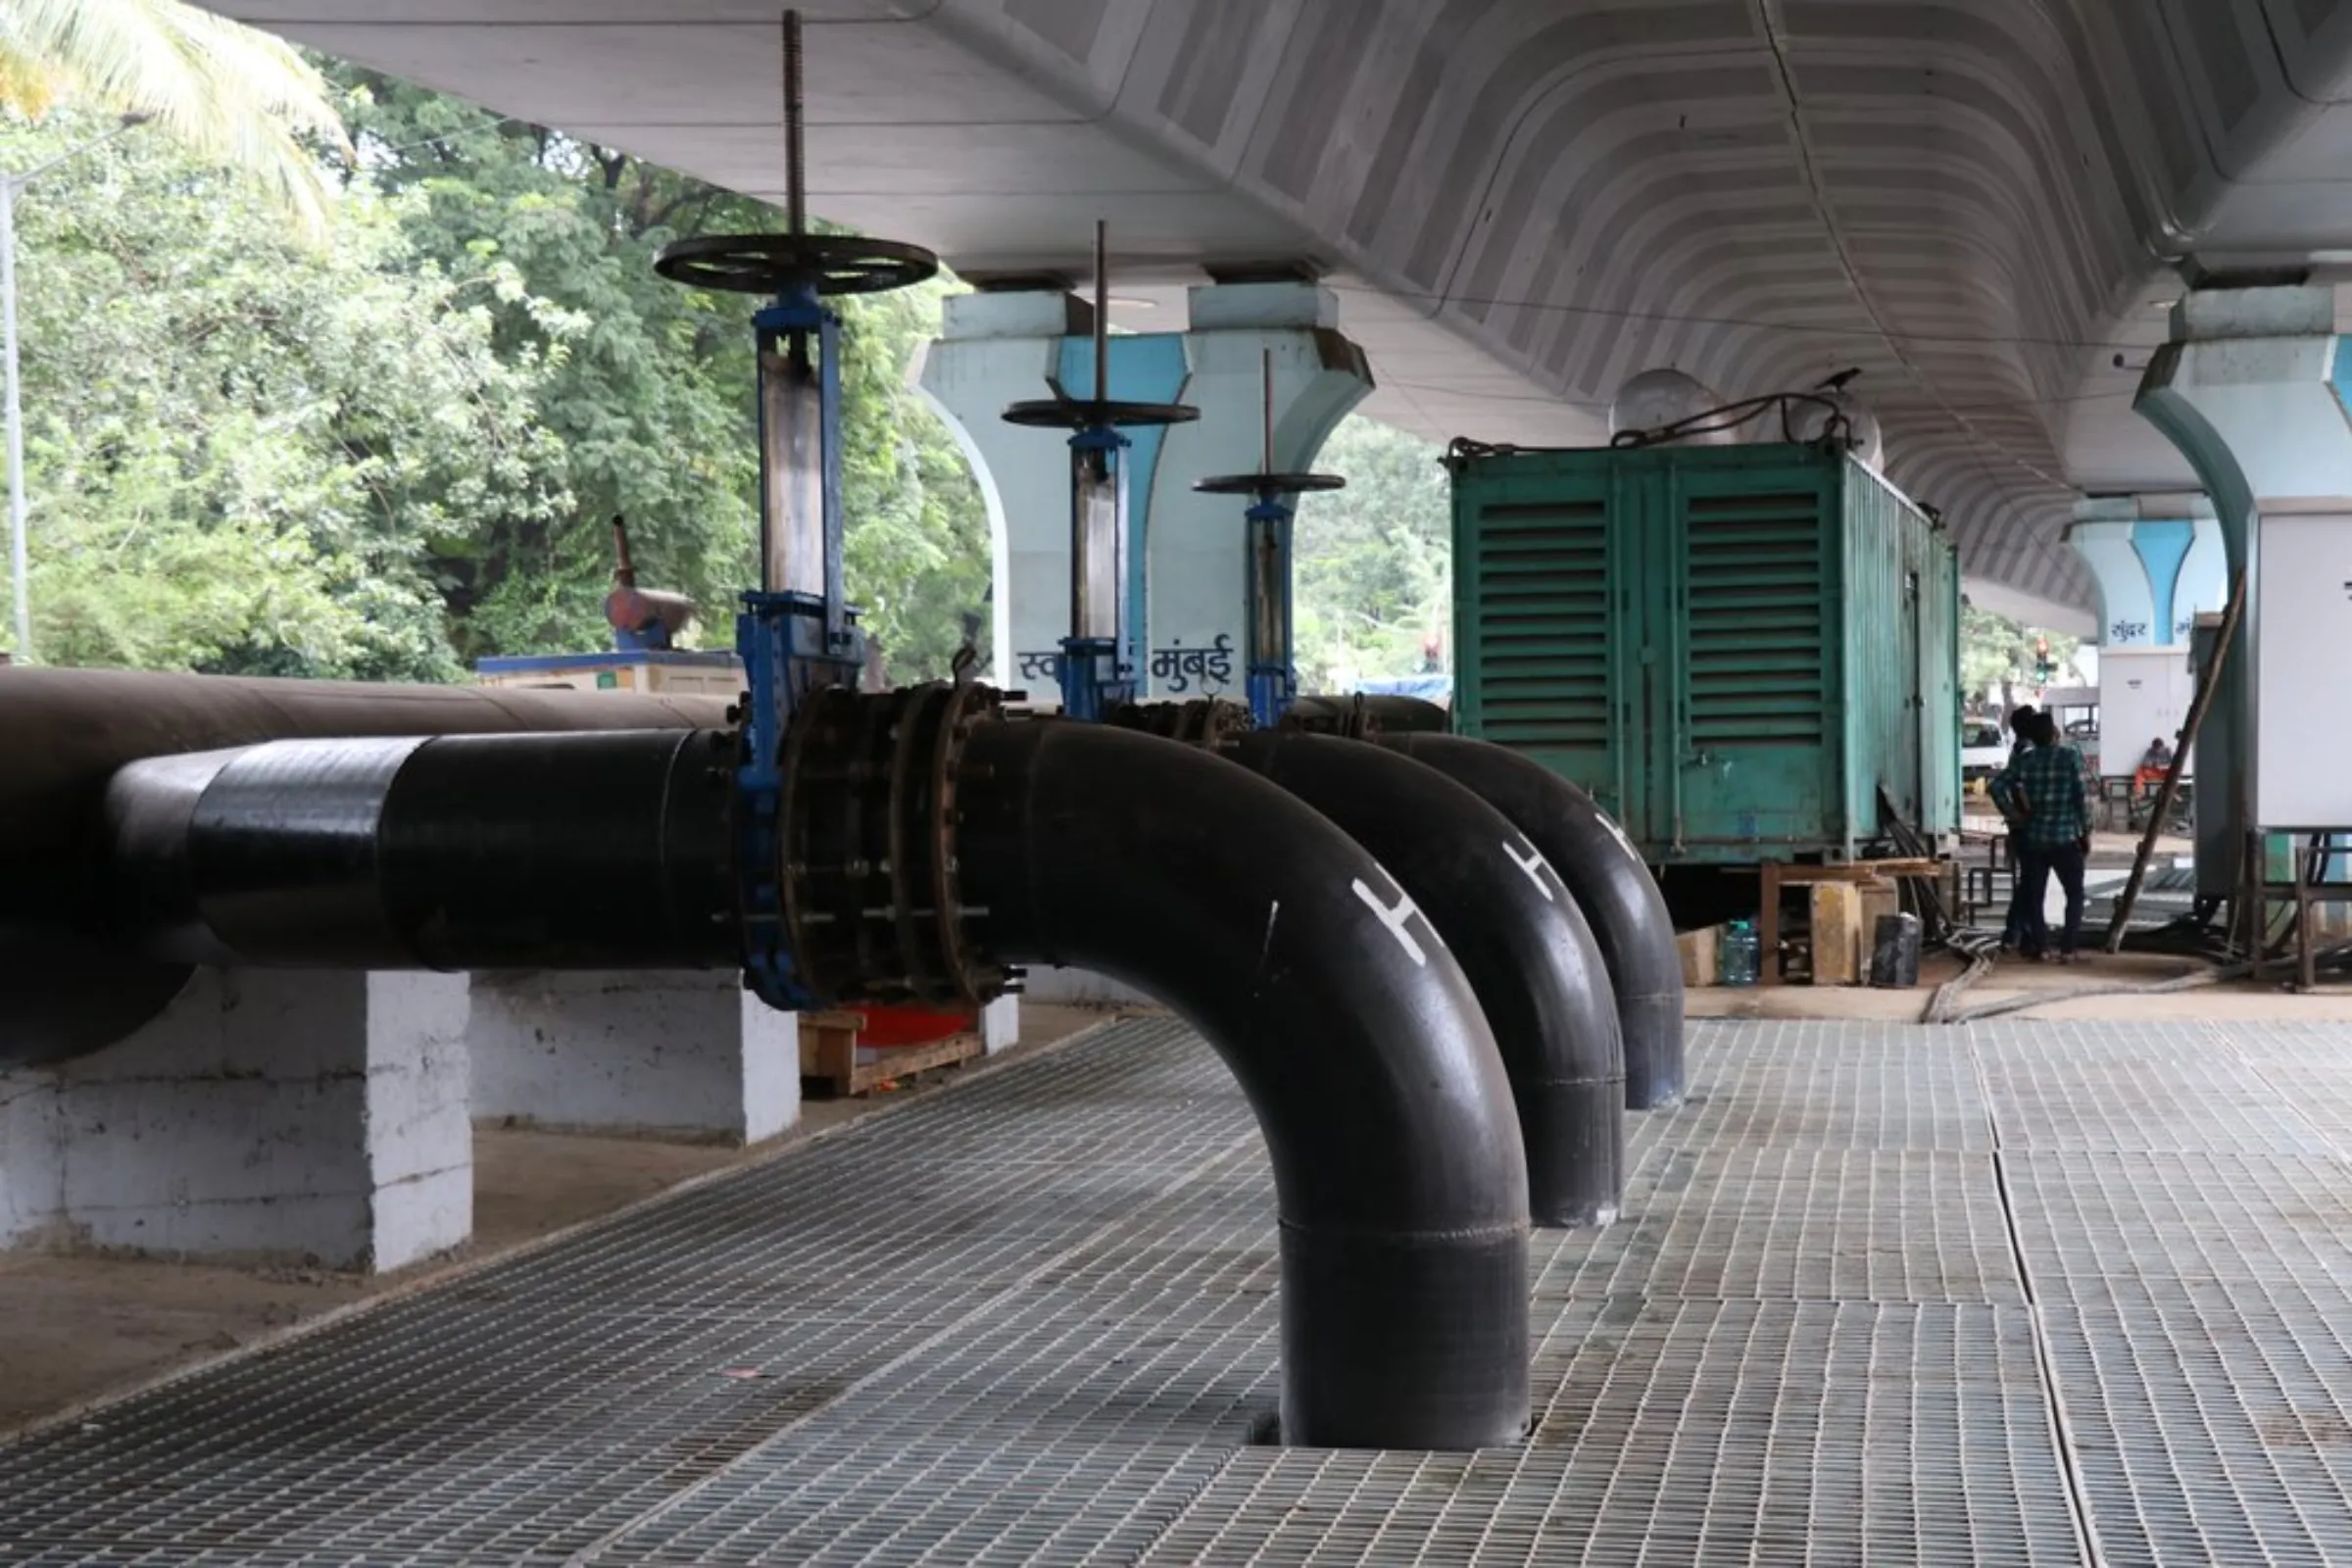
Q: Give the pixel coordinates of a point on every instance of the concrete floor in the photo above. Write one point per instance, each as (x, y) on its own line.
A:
(2023, 1292)
(78, 1328)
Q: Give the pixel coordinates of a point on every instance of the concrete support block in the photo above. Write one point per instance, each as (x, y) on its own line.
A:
(264, 1116)
(687, 1053)
(1000, 1024)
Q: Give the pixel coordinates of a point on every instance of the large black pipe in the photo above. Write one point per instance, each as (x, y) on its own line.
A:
(1398, 1161)
(1510, 920)
(476, 851)
(69, 729)
(1620, 898)
(1399, 1171)
(64, 987)
(1361, 715)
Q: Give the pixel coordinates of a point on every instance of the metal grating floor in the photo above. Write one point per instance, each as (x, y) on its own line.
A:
(2016, 1294)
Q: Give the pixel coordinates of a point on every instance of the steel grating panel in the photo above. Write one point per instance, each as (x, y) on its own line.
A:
(535, 1406)
(2219, 1433)
(1033, 1321)
(1857, 1225)
(1697, 1433)
(2243, 1225)
(2061, 1099)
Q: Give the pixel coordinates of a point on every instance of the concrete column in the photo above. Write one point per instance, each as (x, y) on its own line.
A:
(285, 1116)
(2252, 389)
(688, 1055)
(1198, 578)
(1000, 348)
(1184, 549)
(2157, 562)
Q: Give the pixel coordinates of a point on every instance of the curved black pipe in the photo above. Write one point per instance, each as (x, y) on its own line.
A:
(1516, 931)
(593, 850)
(1615, 890)
(1361, 715)
(1397, 1162)
(1398, 1165)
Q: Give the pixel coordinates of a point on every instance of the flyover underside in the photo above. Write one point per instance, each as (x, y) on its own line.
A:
(1033, 1320)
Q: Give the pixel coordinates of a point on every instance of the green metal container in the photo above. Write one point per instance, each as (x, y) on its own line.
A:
(1735, 649)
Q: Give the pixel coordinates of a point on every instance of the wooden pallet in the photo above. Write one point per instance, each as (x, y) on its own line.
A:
(829, 1064)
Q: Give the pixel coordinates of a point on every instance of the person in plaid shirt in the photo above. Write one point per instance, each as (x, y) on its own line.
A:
(2041, 791)
(2013, 925)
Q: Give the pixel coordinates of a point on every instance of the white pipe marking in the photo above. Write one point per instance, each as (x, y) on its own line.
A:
(1394, 919)
(1535, 866)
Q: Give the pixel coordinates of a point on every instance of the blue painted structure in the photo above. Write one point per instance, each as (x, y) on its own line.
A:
(1151, 367)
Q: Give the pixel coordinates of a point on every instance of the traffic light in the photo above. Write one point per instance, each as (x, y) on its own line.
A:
(2043, 669)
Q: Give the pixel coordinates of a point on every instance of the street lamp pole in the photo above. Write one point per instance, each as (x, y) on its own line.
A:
(19, 562)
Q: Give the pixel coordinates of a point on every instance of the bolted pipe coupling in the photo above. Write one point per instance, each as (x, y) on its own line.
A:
(872, 900)
(1208, 722)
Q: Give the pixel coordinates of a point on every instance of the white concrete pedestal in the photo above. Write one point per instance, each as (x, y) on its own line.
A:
(1000, 1024)
(308, 1117)
(684, 1054)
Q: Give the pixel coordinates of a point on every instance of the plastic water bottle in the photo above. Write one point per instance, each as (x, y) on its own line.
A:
(1735, 957)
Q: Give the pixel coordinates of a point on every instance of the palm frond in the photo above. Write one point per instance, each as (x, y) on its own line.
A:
(221, 88)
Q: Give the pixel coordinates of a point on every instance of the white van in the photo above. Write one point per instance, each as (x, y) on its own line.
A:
(1984, 750)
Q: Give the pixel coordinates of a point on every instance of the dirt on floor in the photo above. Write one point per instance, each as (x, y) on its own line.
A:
(2111, 986)
(78, 1328)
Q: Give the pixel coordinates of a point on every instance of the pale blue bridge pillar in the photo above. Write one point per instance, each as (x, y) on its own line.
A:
(2252, 390)
(1238, 330)
(997, 349)
(1184, 550)
(2157, 562)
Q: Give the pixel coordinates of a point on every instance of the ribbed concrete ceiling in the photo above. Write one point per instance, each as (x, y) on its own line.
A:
(1978, 202)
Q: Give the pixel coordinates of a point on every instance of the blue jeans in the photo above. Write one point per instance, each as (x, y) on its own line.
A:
(2038, 863)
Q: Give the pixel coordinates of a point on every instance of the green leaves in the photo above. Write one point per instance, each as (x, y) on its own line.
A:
(1374, 560)
(1996, 652)
(242, 452)
(646, 387)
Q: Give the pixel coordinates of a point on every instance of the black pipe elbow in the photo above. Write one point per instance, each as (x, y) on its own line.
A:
(1516, 930)
(1397, 1162)
(1620, 898)
(1392, 713)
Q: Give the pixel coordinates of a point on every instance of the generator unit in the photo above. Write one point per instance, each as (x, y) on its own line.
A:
(1735, 649)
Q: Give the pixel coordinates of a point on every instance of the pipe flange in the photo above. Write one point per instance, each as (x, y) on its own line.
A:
(1208, 722)
(872, 895)
(1347, 718)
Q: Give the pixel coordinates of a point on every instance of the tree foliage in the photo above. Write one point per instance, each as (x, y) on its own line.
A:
(648, 388)
(244, 454)
(1997, 654)
(401, 453)
(1374, 560)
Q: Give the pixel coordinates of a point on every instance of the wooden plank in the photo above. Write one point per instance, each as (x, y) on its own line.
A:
(829, 1055)
(1837, 934)
(1700, 951)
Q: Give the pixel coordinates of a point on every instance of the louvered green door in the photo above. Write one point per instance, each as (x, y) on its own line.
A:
(1746, 758)
(1536, 575)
